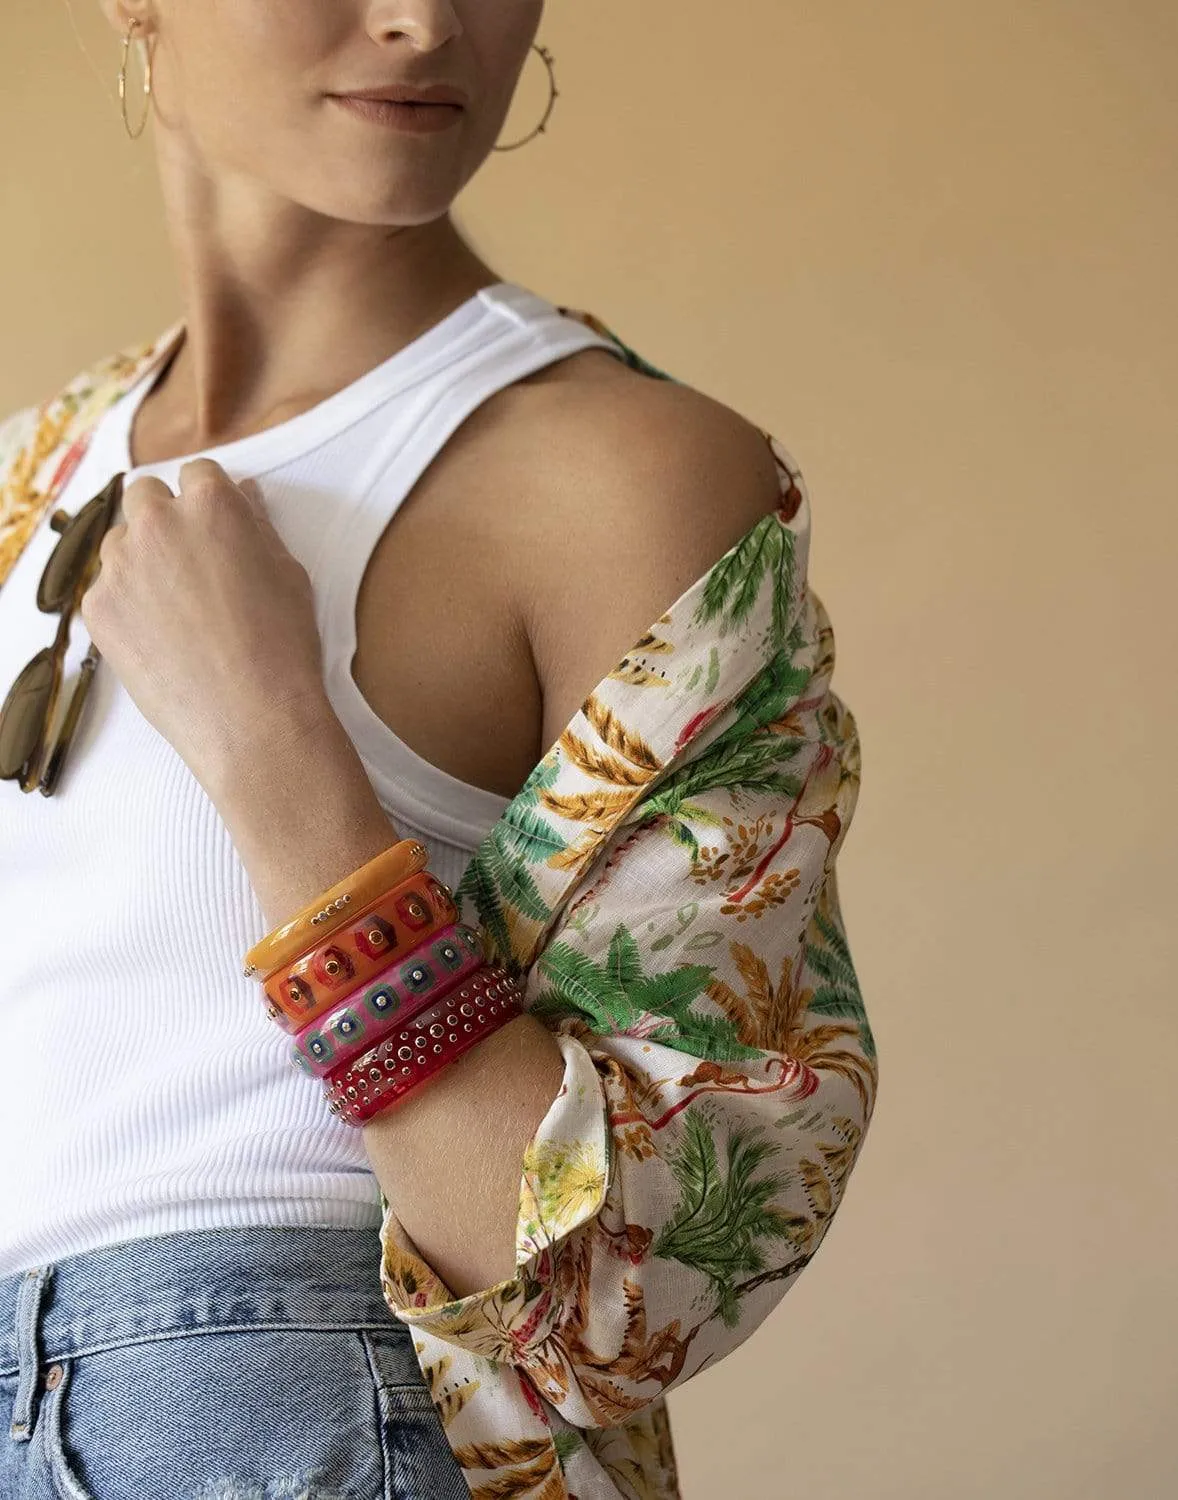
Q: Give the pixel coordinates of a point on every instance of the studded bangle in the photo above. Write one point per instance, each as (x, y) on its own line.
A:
(401, 992)
(411, 1054)
(392, 927)
(334, 906)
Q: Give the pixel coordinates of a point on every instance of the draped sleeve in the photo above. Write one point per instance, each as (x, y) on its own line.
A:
(666, 884)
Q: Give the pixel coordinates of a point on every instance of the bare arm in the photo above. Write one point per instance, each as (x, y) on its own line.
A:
(644, 508)
(448, 1158)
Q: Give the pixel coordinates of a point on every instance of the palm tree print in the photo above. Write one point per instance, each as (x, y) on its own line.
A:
(724, 1216)
(497, 877)
(735, 582)
(777, 1013)
(615, 996)
(839, 996)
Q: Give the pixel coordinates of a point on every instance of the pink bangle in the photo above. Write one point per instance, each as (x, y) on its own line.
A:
(405, 988)
(413, 1053)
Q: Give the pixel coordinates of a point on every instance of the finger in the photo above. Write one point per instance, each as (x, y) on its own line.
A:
(252, 491)
(145, 490)
(146, 484)
(202, 476)
(203, 468)
(205, 476)
(109, 544)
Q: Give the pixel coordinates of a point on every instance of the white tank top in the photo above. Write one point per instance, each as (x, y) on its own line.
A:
(145, 1090)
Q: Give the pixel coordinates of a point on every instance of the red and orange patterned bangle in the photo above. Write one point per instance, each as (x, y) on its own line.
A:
(413, 1053)
(334, 907)
(400, 993)
(395, 924)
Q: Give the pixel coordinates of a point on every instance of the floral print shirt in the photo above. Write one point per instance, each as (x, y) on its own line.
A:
(665, 883)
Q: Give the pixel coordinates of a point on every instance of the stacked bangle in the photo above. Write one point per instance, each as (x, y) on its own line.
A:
(405, 988)
(379, 983)
(414, 1052)
(392, 928)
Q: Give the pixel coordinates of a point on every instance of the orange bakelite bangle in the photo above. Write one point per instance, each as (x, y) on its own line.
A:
(335, 907)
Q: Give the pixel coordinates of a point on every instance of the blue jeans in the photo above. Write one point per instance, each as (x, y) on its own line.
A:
(221, 1364)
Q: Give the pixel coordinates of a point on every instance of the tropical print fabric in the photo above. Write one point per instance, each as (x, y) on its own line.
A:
(41, 446)
(665, 882)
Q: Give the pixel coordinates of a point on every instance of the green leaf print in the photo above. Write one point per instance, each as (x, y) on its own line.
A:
(839, 997)
(704, 1036)
(771, 693)
(492, 870)
(735, 581)
(522, 837)
(616, 995)
(625, 961)
(478, 885)
(588, 987)
(755, 764)
(724, 1216)
(531, 835)
(742, 755)
(541, 776)
(566, 1442)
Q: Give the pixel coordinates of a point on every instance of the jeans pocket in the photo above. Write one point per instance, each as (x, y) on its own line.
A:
(420, 1463)
(255, 1414)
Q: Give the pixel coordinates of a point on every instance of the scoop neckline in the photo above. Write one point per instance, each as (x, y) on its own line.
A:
(287, 439)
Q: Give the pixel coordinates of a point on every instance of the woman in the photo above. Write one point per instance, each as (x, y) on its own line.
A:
(391, 533)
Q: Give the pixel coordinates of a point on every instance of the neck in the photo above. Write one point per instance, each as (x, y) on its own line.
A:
(282, 307)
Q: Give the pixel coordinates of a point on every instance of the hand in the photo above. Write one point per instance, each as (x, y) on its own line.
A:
(207, 619)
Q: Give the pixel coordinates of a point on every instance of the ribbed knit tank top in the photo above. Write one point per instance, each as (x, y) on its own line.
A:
(146, 1090)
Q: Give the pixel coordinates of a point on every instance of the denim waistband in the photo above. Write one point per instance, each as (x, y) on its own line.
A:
(308, 1276)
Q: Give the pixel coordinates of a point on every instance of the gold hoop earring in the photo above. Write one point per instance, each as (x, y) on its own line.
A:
(135, 134)
(552, 98)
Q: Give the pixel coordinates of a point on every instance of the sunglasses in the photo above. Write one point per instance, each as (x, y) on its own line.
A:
(29, 708)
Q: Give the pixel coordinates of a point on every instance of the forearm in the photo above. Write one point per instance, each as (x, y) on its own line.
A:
(449, 1156)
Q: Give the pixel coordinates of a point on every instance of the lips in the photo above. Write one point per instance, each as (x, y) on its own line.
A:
(439, 93)
(416, 118)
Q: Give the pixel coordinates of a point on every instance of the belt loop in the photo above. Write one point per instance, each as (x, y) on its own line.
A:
(28, 1305)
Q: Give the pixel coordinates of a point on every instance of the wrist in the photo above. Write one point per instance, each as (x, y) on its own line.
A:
(300, 811)
(275, 738)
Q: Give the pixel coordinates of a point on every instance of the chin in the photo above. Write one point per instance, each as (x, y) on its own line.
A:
(392, 202)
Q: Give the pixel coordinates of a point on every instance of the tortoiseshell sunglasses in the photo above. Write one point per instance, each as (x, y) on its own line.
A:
(29, 708)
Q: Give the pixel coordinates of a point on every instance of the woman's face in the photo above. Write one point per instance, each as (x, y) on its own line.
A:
(242, 92)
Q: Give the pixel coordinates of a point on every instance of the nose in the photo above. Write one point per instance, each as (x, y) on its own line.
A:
(429, 24)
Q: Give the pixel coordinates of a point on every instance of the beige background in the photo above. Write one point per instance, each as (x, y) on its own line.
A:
(932, 246)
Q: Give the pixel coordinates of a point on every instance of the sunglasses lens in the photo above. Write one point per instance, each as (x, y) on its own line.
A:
(22, 718)
(70, 557)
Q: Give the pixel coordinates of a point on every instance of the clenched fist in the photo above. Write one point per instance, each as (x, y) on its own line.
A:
(207, 618)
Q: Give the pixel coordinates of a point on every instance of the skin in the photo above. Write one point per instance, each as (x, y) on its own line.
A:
(310, 245)
(556, 524)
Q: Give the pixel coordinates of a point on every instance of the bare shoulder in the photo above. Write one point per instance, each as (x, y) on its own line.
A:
(635, 487)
